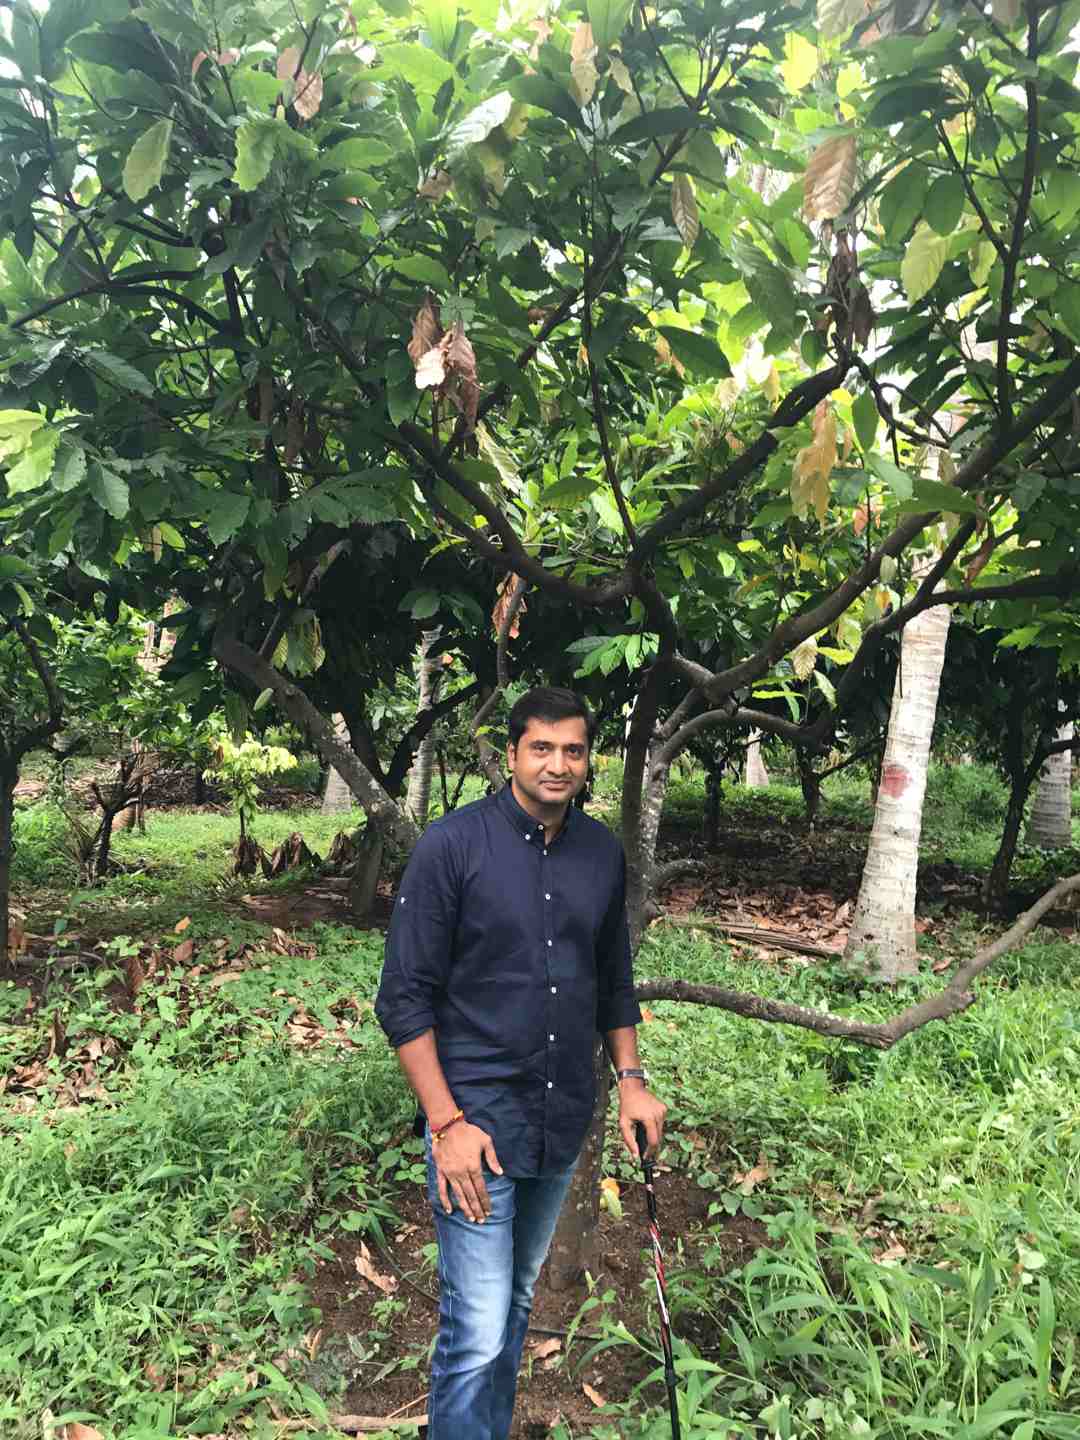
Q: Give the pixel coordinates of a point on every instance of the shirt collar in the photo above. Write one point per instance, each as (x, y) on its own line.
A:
(526, 824)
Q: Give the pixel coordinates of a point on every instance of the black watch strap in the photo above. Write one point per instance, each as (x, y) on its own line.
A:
(631, 1075)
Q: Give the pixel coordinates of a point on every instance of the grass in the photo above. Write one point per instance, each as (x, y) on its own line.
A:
(170, 1175)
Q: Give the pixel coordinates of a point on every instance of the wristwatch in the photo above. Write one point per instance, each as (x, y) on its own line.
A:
(621, 1075)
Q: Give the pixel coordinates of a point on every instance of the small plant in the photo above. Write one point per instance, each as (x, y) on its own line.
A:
(240, 768)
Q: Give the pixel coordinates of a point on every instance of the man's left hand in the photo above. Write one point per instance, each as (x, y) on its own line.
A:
(636, 1104)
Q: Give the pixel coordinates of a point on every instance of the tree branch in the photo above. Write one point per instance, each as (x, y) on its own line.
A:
(37, 735)
(243, 660)
(488, 755)
(1020, 219)
(402, 758)
(956, 997)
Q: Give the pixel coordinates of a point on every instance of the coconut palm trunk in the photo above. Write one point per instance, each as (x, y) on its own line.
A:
(1050, 823)
(757, 777)
(337, 795)
(883, 926)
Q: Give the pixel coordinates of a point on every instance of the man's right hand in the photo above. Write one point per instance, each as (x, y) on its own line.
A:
(458, 1165)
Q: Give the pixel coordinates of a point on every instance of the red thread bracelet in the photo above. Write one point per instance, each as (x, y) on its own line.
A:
(436, 1135)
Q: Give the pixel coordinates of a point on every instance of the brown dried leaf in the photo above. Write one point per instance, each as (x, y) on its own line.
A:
(76, 1430)
(431, 369)
(288, 63)
(183, 952)
(181, 925)
(593, 1395)
(814, 464)
(437, 185)
(502, 603)
(543, 1348)
(225, 977)
(460, 354)
(426, 331)
(684, 210)
(752, 1178)
(829, 182)
(583, 72)
(386, 1283)
(196, 64)
(309, 94)
(980, 559)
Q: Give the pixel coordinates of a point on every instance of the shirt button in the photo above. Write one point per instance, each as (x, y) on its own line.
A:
(546, 897)
(528, 837)
(549, 944)
(551, 1084)
(554, 989)
(545, 852)
(551, 1037)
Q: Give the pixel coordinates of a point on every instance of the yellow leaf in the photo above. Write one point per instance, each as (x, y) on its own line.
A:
(830, 178)
(583, 72)
(923, 259)
(181, 925)
(814, 464)
(800, 61)
(771, 384)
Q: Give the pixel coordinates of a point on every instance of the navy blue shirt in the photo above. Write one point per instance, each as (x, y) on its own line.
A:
(516, 953)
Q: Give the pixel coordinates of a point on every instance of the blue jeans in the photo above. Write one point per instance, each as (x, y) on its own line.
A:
(487, 1275)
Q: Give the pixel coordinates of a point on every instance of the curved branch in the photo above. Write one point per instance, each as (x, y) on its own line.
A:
(37, 735)
(402, 758)
(956, 997)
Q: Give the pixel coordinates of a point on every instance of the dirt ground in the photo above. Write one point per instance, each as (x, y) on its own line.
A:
(552, 1386)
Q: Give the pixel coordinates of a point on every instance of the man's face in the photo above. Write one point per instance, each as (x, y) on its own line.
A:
(550, 763)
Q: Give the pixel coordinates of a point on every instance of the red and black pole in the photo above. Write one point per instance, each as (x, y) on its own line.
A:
(661, 1289)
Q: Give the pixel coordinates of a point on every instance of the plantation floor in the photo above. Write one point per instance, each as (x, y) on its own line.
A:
(202, 1131)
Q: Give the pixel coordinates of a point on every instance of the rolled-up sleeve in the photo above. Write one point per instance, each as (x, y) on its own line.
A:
(616, 1004)
(420, 940)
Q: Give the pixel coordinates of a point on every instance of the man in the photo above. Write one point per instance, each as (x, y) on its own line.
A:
(507, 951)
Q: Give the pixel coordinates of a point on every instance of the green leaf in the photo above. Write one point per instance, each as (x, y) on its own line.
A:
(538, 90)
(256, 143)
(36, 464)
(110, 491)
(933, 495)
(70, 468)
(898, 481)
(478, 124)
(655, 122)
(119, 371)
(608, 20)
(945, 203)
(925, 255)
(441, 19)
(360, 152)
(1067, 305)
(425, 71)
(864, 413)
(901, 202)
(1063, 195)
(227, 513)
(836, 16)
(696, 351)
(146, 160)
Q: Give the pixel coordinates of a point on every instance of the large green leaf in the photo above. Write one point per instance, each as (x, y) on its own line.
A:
(864, 412)
(441, 19)
(650, 124)
(425, 71)
(36, 463)
(925, 255)
(696, 351)
(70, 468)
(608, 20)
(256, 143)
(109, 490)
(228, 512)
(945, 203)
(898, 481)
(901, 201)
(545, 94)
(361, 152)
(119, 371)
(146, 160)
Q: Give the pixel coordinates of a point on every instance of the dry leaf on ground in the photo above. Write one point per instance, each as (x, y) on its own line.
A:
(593, 1395)
(752, 1178)
(365, 1267)
(543, 1348)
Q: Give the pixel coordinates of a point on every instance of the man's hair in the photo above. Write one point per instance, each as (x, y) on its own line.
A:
(551, 703)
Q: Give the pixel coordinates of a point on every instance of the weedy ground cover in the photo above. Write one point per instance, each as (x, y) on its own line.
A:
(178, 1151)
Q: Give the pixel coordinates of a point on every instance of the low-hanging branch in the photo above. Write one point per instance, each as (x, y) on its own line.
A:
(883, 1035)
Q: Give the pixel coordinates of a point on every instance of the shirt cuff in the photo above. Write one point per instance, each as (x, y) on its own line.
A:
(400, 1029)
(618, 1012)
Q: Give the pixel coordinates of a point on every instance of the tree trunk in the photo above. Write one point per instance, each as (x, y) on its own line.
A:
(7, 812)
(1050, 822)
(996, 885)
(337, 795)
(883, 925)
(810, 782)
(757, 777)
(418, 796)
(713, 784)
(365, 878)
(573, 1249)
